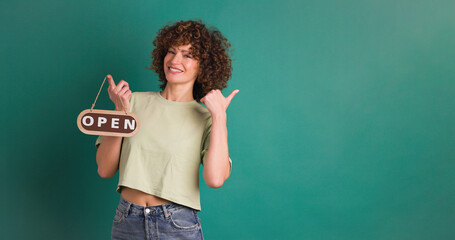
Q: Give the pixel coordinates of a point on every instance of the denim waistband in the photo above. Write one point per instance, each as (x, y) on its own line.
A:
(130, 208)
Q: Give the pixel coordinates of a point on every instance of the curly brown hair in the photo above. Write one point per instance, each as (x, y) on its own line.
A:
(208, 46)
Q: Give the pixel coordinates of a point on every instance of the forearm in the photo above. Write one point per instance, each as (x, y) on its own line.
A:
(216, 166)
(108, 155)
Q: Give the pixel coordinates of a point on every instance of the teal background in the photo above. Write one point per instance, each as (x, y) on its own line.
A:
(343, 127)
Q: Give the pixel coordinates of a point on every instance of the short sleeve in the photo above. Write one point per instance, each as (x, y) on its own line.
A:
(206, 142)
(98, 141)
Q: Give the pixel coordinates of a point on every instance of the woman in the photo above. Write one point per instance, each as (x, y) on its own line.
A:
(159, 166)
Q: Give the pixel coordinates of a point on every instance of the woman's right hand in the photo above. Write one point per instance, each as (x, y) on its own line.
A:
(119, 94)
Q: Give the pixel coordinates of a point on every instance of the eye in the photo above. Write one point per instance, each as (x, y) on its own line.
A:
(170, 51)
(188, 56)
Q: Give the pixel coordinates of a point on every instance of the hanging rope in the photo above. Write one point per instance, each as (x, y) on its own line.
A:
(93, 105)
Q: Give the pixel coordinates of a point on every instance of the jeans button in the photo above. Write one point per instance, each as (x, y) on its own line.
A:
(147, 210)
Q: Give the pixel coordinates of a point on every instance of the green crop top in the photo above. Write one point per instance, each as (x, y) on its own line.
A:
(163, 158)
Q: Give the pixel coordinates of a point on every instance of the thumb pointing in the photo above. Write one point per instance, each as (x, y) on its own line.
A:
(233, 93)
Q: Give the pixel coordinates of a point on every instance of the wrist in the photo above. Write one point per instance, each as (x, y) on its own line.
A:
(219, 116)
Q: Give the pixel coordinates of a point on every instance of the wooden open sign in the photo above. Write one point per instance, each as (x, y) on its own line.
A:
(108, 123)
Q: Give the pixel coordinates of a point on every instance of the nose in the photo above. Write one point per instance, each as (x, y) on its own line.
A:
(176, 58)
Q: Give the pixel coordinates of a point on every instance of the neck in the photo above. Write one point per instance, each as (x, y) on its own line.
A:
(178, 93)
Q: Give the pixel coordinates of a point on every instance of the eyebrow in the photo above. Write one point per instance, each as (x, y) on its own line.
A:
(182, 50)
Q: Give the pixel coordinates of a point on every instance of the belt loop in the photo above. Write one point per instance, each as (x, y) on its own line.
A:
(166, 213)
(127, 210)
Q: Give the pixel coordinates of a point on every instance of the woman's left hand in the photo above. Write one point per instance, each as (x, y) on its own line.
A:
(216, 103)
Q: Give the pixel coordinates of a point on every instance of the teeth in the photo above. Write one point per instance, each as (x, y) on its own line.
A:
(174, 70)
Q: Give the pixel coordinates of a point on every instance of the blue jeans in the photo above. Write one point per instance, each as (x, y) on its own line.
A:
(167, 221)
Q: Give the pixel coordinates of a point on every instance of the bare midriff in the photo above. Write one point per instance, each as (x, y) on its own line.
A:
(141, 198)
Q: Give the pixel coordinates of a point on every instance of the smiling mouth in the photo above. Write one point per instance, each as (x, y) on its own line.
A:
(176, 70)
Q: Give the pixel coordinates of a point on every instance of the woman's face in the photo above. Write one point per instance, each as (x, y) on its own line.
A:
(179, 65)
